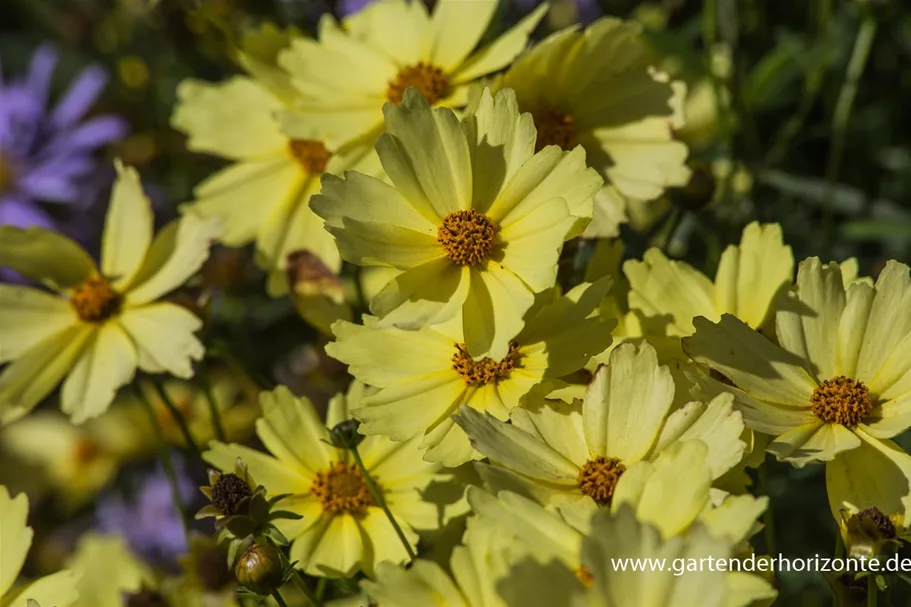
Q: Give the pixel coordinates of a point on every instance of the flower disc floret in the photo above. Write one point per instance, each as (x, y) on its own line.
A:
(598, 478)
(310, 153)
(427, 78)
(342, 488)
(229, 493)
(877, 518)
(485, 370)
(554, 128)
(841, 400)
(95, 300)
(467, 237)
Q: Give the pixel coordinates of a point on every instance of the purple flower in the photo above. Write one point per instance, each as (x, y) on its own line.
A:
(149, 520)
(47, 153)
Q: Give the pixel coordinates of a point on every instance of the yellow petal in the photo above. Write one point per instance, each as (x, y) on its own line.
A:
(123, 572)
(15, 539)
(408, 409)
(499, 53)
(457, 28)
(233, 119)
(735, 517)
(55, 590)
(424, 583)
(492, 314)
(163, 334)
(448, 444)
(889, 418)
(107, 363)
(400, 30)
(890, 322)
(276, 476)
(428, 294)
(127, 228)
(292, 431)
(30, 316)
(381, 542)
(813, 442)
(176, 254)
(25, 382)
(337, 551)
(626, 403)
(555, 423)
(853, 325)
(45, 256)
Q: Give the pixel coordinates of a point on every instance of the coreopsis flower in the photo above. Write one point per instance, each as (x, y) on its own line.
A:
(424, 376)
(749, 278)
(376, 54)
(474, 218)
(590, 88)
(96, 325)
(834, 388)
(58, 589)
(47, 155)
(123, 578)
(236, 119)
(562, 452)
(870, 533)
(476, 565)
(342, 529)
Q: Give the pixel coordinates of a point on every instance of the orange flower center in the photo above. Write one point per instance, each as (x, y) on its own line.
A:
(428, 79)
(841, 400)
(486, 370)
(467, 237)
(342, 488)
(95, 300)
(598, 478)
(311, 154)
(554, 128)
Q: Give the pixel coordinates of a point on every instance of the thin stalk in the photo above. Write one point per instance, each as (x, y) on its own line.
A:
(768, 518)
(725, 125)
(842, 116)
(206, 386)
(321, 587)
(377, 496)
(315, 599)
(839, 545)
(166, 462)
(175, 413)
(278, 598)
(872, 591)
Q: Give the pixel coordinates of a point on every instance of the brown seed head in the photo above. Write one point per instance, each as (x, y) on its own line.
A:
(467, 237)
(342, 488)
(841, 400)
(554, 128)
(95, 300)
(428, 79)
(598, 478)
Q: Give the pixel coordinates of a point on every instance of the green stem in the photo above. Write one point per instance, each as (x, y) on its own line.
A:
(842, 116)
(206, 385)
(175, 413)
(165, 455)
(839, 545)
(768, 518)
(872, 591)
(321, 587)
(377, 496)
(315, 599)
(278, 598)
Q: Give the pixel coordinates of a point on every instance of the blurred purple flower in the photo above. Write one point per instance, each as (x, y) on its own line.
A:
(47, 153)
(149, 520)
(346, 7)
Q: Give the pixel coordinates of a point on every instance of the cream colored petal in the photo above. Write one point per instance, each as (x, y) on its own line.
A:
(608, 214)
(813, 442)
(338, 552)
(499, 53)
(107, 363)
(32, 376)
(228, 192)
(15, 539)
(426, 155)
(516, 449)
(751, 275)
(381, 244)
(29, 316)
(428, 294)
(735, 517)
(661, 287)
(55, 590)
(745, 589)
(492, 313)
(626, 404)
(447, 444)
(398, 465)
(292, 430)
(233, 119)
(45, 256)
(876, 474)
(176, 254)
(890, 418)
(456, 29)
(276, 476)
(338, 122)
(164, 337)
(889, 323)
(500, 141)
(753, 363)
(127, 228)
(408, 409)
(381, 542)
(893, 379)
(557, 424)
(852, 327)
(423, 584)
(534, 242)
(809, 326)
(400, 30)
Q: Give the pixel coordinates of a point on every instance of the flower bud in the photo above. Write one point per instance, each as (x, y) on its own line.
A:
(260, 569)
(344, 435)
(868, 534)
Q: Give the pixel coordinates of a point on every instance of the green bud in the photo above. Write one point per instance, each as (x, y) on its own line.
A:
(344, 435)
(260, 569)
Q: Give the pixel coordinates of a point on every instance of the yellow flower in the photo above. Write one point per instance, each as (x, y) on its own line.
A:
(425, 375)
(98, 325)
(57, 590)
(122, 573)
(342, 529)
(591, 88)
(264, 195)
(476, 565)
(474, 217)
(559, 452)
(379, 52)
(836, 389)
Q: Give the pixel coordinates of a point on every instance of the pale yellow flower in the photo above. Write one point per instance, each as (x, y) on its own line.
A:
(96, 325)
